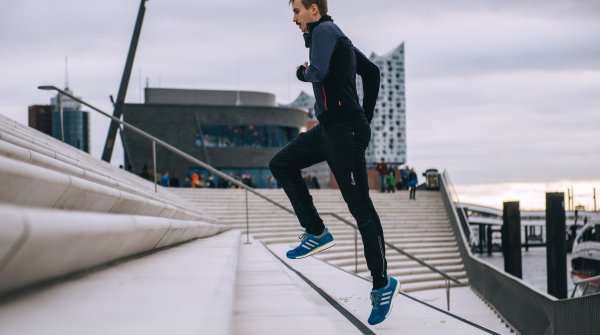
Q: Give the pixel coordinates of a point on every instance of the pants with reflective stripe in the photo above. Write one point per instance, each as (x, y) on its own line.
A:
(343, 148)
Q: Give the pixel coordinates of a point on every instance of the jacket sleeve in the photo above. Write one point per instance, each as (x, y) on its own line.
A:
(323, 44)
(370, 75)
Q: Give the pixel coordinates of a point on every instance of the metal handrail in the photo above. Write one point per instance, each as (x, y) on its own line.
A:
(587, 282)
(464, 219)
(194, 160)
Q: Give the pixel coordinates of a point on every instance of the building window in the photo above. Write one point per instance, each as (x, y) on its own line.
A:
(247, 136)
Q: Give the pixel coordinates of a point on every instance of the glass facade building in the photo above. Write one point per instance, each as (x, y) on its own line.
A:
(76, 128)
(237, 132)
(246, 136)
(46, 118)
(388, 139)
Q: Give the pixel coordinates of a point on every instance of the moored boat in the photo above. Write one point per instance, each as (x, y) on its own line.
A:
(585, 262)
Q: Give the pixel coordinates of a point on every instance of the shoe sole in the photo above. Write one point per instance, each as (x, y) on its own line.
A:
(319, 249)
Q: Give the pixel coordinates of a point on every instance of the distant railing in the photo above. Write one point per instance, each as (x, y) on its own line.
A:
(526, 309)
(214, 171)
(462, 215)
(586, 284)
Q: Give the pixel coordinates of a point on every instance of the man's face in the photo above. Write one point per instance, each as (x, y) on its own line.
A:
(303, 16)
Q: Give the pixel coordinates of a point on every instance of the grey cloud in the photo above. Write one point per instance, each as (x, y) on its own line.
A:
(496, 90)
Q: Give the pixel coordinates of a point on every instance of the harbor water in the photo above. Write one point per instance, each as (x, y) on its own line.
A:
(534, 268)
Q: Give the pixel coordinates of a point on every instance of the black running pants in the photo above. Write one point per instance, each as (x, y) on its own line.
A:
(343, 147)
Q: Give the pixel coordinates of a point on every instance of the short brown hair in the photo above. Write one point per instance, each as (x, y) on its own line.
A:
(321, 4)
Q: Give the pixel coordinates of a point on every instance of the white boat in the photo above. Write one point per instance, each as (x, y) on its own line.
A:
(585, 260)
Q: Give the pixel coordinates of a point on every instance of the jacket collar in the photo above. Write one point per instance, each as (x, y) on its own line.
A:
(311, 26)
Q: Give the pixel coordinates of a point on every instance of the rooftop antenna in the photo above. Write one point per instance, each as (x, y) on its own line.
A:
(66, 73)
(238, 100)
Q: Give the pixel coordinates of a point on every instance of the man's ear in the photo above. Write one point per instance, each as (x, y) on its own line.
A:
(314, 9)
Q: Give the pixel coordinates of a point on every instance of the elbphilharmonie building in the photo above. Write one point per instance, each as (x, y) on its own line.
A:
(388, 136)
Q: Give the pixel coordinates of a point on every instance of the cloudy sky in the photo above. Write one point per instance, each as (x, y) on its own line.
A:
(498, 91)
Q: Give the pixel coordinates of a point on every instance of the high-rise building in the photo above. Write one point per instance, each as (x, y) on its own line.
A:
(40, 118)
(47, 119)
(388, 136)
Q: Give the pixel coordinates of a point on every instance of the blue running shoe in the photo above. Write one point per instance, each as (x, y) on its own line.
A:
(382, 301)
(310, 244)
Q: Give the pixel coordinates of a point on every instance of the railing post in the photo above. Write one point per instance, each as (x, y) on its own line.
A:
(62, 120)
(574, 290)
(247, 221)
(154, 166)
(481, 229)
(511, 239)
(356, 250)
(526, 239)
(448, 294)
(490, 244)
(556, 254)
(585, 288)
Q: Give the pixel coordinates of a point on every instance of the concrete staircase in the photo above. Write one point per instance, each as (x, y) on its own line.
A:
(420, 227)
(87, 248)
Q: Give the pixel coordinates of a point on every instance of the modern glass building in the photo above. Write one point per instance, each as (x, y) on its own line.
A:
(77, 128)
(245, 136)
(46, 118)
(237, 132)
(388, 139)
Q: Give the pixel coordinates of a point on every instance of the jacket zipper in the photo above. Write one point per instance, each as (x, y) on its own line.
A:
(324, 96)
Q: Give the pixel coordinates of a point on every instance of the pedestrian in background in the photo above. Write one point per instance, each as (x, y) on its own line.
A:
(174, 181)
(164, 180)
(412, 181)
(383, 174)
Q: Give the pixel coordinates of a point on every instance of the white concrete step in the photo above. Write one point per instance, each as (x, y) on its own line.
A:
(37, 245)
(270, 299)
(21, 143)
(407, 317)
(420, 227)
(188, 289)
(37, 180)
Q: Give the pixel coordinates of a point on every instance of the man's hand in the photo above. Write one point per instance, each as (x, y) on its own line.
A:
(305, 65)
(300, 71)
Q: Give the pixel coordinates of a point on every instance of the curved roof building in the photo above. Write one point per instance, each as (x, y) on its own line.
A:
(235, 131)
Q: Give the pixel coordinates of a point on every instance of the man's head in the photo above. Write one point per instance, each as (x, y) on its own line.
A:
(308, 11)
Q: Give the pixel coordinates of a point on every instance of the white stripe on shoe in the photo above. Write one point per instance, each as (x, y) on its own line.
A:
(394, 297)
(318, 249)
(305, 247)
